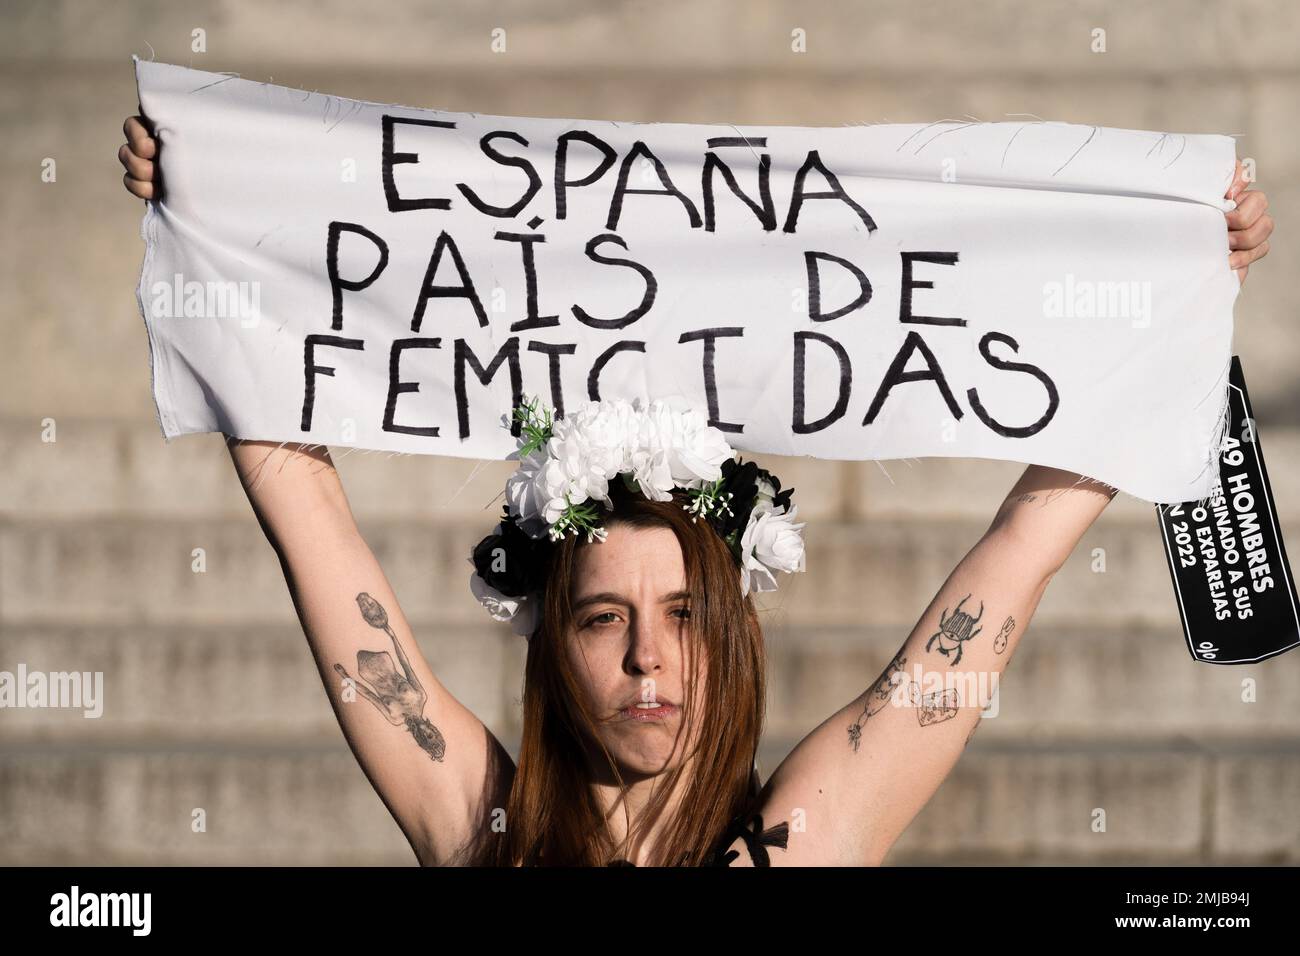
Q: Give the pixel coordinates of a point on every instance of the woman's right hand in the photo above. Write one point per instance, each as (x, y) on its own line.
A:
(137, 155)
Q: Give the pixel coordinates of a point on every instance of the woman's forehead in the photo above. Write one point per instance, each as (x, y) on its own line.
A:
(630, 557)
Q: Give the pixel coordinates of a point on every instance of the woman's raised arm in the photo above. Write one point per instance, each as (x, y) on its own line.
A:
(857, 781)
(438, 769)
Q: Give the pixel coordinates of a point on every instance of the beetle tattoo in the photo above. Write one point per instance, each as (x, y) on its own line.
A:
(955, 629)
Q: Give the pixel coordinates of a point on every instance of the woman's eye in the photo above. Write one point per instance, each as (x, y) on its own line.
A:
(610, 617)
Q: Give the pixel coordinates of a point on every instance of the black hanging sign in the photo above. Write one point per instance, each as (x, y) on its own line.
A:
(1232, 581)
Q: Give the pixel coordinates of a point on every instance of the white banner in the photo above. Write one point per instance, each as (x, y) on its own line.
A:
(334, 271)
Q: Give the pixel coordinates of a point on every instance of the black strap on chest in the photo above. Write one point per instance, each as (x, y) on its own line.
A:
(757, 839)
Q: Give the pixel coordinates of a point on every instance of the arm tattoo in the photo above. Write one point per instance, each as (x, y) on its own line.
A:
(877, 697)
(399, 697)
(1000, 642)
(937, 707)
(1027, 498)
(955, 630)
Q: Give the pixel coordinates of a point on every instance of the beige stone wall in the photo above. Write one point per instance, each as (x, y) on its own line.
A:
(212, 697)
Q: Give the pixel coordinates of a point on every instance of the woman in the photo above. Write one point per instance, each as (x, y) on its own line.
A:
(644, 684)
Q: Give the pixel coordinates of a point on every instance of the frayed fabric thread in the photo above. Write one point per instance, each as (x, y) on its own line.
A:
(1221, 430)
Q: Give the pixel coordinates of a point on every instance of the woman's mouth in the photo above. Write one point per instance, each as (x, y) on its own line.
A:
(649, 711)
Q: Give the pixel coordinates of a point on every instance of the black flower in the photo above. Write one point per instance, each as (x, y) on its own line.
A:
(512, 561)
(741, 479)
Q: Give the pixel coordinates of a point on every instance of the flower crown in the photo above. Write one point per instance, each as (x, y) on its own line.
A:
(566, 467)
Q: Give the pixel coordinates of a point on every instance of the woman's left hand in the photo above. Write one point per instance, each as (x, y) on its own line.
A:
(1249, 225)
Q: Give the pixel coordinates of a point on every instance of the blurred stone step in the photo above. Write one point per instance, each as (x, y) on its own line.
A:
(927, 489)
(259, 684)
(1225, 808)
(1064, 682)
(121, 469)
(266, 808)
(141, 572)
(1165, 801)
(886, 571)
(100, 468)
(233, 685)
(316, 808)
(1153, 39)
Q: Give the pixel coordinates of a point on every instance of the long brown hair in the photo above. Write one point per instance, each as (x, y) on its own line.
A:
(552, 815)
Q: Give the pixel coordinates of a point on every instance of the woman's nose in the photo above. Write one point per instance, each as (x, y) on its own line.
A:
(646, 643)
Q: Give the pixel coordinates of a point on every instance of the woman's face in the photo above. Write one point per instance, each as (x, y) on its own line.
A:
(630, 643)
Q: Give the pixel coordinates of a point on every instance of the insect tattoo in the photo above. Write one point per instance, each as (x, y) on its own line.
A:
(955, 630)
(877, 697)
(1000, 642)
(399, 697)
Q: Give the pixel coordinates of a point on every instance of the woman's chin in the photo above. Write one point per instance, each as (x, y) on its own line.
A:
(642, 758)
(639, 751)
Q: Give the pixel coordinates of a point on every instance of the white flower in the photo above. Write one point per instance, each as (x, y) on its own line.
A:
(771, 542)
(651, 471)
(678, 447)
(763, 500)
(529, 493)
(521, 612)
(586, 451)
(526, 618)
(661, 446)
(609, 427)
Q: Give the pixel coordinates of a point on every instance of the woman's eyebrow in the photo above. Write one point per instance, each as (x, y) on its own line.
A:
(613, 598)
(601, 598)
